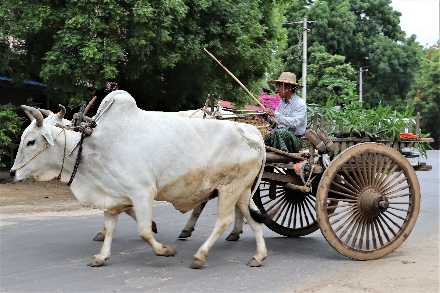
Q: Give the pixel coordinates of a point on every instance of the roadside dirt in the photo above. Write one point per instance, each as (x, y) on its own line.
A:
(32, 196)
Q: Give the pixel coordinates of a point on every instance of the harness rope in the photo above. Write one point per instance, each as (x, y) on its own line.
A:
(78, 158)
(86, 129)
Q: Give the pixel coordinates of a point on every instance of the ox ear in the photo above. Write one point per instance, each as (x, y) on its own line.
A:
(30, 111)
(62, 111)
(48, 137)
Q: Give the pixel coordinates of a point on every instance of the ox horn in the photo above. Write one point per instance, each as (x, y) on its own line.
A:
(46, 112)
(62, 111)
(27, 112)
(34, 113)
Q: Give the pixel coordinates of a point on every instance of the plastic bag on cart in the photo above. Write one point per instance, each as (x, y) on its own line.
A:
(325, 159)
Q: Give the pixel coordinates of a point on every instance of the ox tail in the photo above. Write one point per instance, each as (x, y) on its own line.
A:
(256, 215)
(259, 217)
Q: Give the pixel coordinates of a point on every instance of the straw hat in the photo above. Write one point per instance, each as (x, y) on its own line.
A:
(287, 77)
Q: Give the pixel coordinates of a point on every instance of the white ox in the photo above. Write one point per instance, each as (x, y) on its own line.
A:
(58, 118)
(135, 157)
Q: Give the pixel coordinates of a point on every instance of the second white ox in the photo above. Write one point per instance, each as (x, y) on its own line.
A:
(135, 157)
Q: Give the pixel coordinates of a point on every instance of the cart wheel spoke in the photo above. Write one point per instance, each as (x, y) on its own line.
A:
(286, 213)
(358, 229)
(310, 207)
(388, 226)
(364, 228)
(281, 210)
(349, 178)
(395, 178)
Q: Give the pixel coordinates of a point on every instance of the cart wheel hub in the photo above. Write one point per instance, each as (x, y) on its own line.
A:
(372, 203)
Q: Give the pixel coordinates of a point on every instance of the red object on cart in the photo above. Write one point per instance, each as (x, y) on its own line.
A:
(408, 135)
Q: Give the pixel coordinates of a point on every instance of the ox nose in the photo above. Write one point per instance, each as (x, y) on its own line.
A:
(12, 173)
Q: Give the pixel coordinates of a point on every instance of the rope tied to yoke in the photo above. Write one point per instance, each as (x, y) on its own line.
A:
(86, 129)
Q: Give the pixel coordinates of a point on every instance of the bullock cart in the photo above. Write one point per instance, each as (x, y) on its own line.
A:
(363, 195)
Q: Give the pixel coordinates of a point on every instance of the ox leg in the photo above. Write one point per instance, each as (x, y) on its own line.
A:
(238, 226)
(257, 228)
(130, 211)
(189, 227)
(225, 216)
(143, 210)
(110, 222)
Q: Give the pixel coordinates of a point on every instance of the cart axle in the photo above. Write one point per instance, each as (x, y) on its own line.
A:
(372, 203)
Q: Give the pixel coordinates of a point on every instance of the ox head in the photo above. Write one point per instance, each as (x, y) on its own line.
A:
(36, 137)
(54, 119)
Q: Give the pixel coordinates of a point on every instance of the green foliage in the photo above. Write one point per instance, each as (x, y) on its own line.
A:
(10, 127)
(368, 35)
(388, 123)
(425, 93)
(152, 49)
(329, 78)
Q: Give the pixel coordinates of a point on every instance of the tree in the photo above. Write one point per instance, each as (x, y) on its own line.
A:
(329, 78)
(368, 34)
(153, 49)
(425, 94)
(10, 127)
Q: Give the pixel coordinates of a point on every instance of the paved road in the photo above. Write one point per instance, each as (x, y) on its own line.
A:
(49, 252)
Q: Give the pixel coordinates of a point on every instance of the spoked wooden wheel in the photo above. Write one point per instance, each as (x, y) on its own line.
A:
(292, 212)
(378, 197)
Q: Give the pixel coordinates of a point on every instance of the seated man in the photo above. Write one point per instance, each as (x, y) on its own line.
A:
(291, 115)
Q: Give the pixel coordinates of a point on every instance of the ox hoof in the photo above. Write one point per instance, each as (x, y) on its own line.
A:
(197, 263)
(254, 263)
(233, 237)
(99, 237)
(185, 234)
(169, 250)
(95, 262)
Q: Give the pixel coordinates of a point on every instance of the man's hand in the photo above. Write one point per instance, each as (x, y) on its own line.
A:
(269, 111)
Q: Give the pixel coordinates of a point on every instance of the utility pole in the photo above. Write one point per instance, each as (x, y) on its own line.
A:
(304, 61)
(360, 83)
(304, 55)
